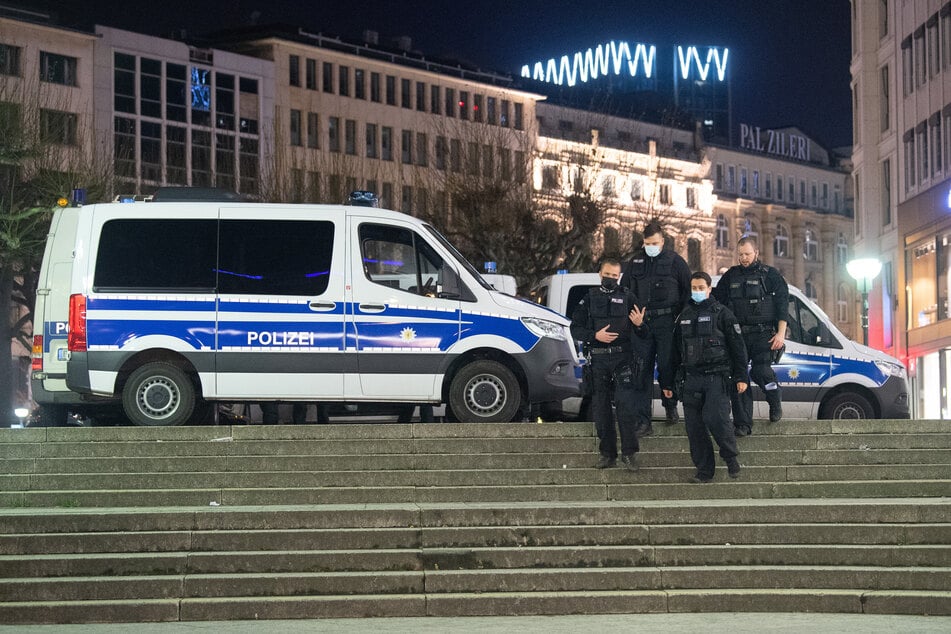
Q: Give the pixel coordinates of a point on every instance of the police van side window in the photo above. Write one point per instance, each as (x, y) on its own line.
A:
(804, 326)
(161, 255)
(398, 258)
(275, 257)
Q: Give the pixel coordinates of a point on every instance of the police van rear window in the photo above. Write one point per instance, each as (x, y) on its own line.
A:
(261, 257)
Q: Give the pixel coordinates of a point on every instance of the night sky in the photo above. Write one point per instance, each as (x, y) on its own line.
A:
(789, 59)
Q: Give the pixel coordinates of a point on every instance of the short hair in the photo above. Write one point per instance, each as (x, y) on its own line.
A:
(653, 228)
(702, 275)
(750, 240)
(608, 259)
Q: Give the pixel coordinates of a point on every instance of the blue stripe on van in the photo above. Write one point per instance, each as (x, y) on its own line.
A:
(121, 332)
(165, 305)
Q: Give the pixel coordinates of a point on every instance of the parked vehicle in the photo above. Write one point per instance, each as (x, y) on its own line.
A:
(167, 307)
(824, 374)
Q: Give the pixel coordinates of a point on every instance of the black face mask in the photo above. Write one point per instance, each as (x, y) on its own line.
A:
(608, 283)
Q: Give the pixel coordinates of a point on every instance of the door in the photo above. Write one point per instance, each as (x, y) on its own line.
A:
(404, 317)
(281, 312)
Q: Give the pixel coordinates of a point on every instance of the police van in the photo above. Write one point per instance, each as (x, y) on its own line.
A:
(823, 373)
(167, 307)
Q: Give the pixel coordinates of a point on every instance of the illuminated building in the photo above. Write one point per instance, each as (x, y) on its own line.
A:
(901, 73)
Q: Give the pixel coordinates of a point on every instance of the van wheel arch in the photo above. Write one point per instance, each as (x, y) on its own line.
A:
(166, 375)
(849, 402)
(494, 366)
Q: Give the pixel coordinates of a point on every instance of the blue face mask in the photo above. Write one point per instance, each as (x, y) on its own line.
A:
(652, 250)
(698, 296)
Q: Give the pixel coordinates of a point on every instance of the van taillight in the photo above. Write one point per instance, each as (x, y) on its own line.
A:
(76, 339)
(37, 364)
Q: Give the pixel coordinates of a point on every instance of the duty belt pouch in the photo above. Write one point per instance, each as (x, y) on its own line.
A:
(624, 376)
(776, 355)
(587, 379)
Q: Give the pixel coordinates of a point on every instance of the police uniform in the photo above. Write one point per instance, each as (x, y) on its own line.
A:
(710, 356)
(663, 282)
(618, 370)
(759, 297)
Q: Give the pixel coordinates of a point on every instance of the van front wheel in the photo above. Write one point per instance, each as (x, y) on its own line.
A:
(158, 394)
(484, 392)
(847, 405)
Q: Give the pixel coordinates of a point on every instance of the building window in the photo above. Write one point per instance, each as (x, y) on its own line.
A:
(882, 18)
(313, 130)
(842, 304)
(718, 182)
(731, 178)
(779, 187)
(359, 83)
(372, 151)
(58, 127)
(421, 96)
(519, 123)
(664, 194)
(472, 158)
(386, 143)
(750, 228)
(455, 155)
(814, 191)
(224, 100)
(295, 127)
(442, 151)
(375, 95)
(333, 134)
(936, 160)
(405, 99)
(691, 197)
(386, 196)
(810, 245)
(477, 114)
(886, 192)
(885, 108)
(550, 177)
(756, 183)
(124, 92)
(841, 250)
(406, 147)
(637, 189)
(945, 37)
(607, 186)
(9, 60)
(422, 149)
(343, 81)
(57, 69)
(723, 233)
(907, 67)
(504, 114)
(768, 185)
(781, 242)
(406, 200)
(350, 137)
(923, 172)
(491, 114)
(920, 58)
(390, 90)
(175, 155)
(505, 160)
(463, 104)
(293, 69)
(810, 290)
(802, 193)
(934, 47)
(310, 74)
(450, 102)
(328, 77)
(909, 142)
(744, 183)
(792, 189)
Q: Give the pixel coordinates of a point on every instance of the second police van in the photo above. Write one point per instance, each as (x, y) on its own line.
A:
(169, 306)
(823, 373)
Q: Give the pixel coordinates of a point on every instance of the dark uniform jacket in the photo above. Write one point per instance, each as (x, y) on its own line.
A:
(707, 340)
(599, 309)
(756, 295)
(661, 282)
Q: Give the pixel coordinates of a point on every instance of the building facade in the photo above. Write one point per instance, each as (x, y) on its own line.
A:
(901, 86)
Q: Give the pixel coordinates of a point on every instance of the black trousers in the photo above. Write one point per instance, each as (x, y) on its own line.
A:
(761, 373)
(657, 349)
(611, 384)
(706, 413)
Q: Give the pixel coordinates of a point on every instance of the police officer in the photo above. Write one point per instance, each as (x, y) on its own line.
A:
(661, 278)
(709, 354)
(759, 297)
(608, 321)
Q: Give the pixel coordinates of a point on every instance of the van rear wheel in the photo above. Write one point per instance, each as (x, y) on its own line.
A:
(158, 393)
(484, 392)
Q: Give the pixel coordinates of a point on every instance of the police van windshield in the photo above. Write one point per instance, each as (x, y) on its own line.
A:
(459, 257)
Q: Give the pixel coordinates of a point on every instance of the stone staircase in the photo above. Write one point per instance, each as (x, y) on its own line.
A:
(318, 521)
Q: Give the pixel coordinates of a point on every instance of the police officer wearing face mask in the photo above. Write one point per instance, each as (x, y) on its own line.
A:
(661, 278)
(609, 321)
(759, 297)
(710, 356)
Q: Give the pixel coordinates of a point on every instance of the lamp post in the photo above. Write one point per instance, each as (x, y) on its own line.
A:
(864, 271)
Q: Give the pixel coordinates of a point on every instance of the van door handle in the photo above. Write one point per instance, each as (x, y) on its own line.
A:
(372, 308)
(322, 306)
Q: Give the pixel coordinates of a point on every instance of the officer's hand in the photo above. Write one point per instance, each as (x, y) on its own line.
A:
(777, 341)
(637, 315)
(740, 387)
(668, 393)
(605, 336)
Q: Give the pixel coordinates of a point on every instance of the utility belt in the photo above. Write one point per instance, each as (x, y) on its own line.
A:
(757, 328)
(707, 371)
(657, 312)
(608, 350)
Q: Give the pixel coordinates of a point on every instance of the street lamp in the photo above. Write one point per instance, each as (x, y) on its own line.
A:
(863, 271)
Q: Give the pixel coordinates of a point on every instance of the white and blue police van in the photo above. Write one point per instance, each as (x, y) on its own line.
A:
(823, 373)
(167, 307)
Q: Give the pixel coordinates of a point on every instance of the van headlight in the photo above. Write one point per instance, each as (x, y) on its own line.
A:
(891, 369)
(545, 328)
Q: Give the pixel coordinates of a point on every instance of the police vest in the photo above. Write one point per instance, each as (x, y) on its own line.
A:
(611, 309)
(657, 287)
(704, 345)
(749, 300)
